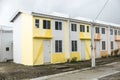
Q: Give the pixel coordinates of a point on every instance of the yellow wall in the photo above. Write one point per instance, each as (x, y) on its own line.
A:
(40, 32)
(39, 35)
(38, 51)
(88, 49)
(33, 42)
(75, 55)
(58, 58)
(85, 35)
(27, 48)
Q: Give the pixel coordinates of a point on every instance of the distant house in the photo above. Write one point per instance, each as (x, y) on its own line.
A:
(6, 43)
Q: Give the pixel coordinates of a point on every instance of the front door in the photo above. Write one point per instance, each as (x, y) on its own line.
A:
(83, 55)
(97, 49)
(47, 54)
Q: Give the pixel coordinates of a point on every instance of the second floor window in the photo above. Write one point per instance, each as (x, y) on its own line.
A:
(115, 32)
(73, 27)
(87, 28)
(37, 23)
(97, 30)
(111, 44)
(119, 32)
(82, 28)
(46, 24)
(103, 30)
(58, 25)
(111, 31)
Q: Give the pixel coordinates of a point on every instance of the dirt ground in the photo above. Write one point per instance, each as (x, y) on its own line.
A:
(12, 71)
(112, 77)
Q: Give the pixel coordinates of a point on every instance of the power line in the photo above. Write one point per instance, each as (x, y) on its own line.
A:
(101, 10)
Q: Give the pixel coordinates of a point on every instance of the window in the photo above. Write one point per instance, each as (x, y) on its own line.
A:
(46, 24)
(103, 30)
(97, 30)
(119, 32)
(7, 48)
(74, 45)
(73, 27)
(87, 28)
(58, 25)
(115, 32)
(111, 44)
(58, 46)
(103, 45)
(111, 31)
(82, 28)
(37, 23)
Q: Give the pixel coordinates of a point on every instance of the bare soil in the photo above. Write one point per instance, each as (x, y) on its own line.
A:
(12, 71)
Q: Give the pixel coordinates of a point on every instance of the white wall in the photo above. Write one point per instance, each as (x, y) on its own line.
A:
(103, 38)
(17, 40)
(58, 35)
(111, 38)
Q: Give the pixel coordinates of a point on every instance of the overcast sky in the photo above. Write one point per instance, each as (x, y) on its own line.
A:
(75, 8)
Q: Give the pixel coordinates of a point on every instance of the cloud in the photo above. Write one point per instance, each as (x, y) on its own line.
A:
(75, 8)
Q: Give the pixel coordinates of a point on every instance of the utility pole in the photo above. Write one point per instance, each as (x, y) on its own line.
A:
(93, 64)
(92, 46)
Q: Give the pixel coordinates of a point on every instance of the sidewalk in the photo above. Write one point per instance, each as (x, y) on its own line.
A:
(86, 74)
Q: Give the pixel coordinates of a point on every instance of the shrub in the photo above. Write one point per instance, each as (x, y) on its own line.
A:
(115, 53)
(74, 60)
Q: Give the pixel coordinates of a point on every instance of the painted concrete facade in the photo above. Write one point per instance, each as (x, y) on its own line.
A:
(36, 45)
(111, 40)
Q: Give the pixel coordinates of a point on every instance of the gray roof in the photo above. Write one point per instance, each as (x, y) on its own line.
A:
(59, 17)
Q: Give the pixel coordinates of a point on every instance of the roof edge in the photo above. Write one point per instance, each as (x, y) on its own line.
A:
(15, 16)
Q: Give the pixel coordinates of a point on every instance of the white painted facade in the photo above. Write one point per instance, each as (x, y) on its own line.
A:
(17, 42)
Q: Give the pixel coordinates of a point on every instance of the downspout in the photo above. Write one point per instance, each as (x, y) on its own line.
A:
(69, 41)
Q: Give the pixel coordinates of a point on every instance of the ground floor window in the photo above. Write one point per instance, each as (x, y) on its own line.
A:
(74, 46)
(103, 45)
(7, 49)
(111, 44)
(58, 45)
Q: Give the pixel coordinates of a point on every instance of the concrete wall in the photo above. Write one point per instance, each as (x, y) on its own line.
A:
(7, 42)
(17, 40)
(74, 35)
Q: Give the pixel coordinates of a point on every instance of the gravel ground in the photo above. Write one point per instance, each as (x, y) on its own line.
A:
(12, 71)
(112, 77)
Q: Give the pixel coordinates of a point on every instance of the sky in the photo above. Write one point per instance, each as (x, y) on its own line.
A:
(74, 8)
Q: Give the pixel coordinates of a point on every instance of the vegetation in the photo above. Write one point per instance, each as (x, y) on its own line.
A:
(74, 60)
